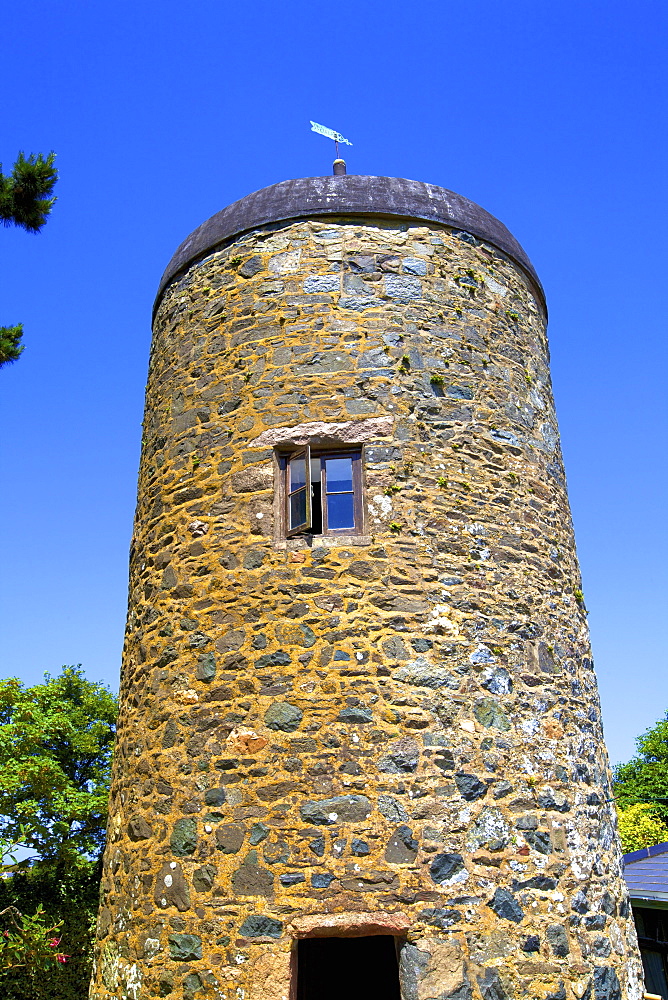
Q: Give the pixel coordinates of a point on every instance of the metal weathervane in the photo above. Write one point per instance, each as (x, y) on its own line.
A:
(331, 134)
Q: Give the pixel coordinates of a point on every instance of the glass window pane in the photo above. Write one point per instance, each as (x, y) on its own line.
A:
(297, 509)
(297, 473)
(339, 474)
(340, 511)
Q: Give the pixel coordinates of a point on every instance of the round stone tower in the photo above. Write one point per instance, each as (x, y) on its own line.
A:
(360, 750)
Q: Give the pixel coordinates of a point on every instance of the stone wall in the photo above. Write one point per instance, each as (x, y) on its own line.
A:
(397, 731)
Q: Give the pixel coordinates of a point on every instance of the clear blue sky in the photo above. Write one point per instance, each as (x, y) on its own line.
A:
(550, 115)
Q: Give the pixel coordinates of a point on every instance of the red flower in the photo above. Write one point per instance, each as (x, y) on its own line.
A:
(61, 958)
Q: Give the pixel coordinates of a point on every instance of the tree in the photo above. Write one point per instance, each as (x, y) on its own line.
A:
(644, 779)
(56, 743)
(640, 826)
(25, 201)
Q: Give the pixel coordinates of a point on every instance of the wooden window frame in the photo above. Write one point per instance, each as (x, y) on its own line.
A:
(314, 455)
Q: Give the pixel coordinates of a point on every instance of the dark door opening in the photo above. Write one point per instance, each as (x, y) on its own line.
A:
(363, 968)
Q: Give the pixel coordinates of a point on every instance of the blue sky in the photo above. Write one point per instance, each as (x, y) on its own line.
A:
(551, 116)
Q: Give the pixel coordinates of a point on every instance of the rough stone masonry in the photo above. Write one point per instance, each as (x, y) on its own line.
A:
(395, 731)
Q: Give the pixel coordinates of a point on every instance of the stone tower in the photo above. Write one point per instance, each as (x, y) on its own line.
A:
(360, 750)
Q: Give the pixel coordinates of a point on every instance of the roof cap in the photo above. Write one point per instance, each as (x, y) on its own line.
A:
(348, 195)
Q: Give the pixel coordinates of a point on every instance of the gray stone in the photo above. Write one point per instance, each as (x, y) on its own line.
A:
(527, 822)
(539, 840)
(322, 283)
(292, 878)
(251, 267)
(531, 943)
(391, 809)
(497, 680)
(284, 716)
(277, 659)
(230, 837)
(558, 940)
(546, 660)
(253, 559)
(421, 645)
(206, 667)
(608, 904)
(355, 714)
(185, 947)
(579, 902)
(459, 392)
(198, 640)
(340, 809)
(541, 882)
(317, 845)
(482, 655)
(439, 917)
(403, 757)
(506, 906)
(394, 649)
(601, 947)
(559, 994)
(413, 265)
(470, 787)
(445, 866)
(183, 840)
(421, 673)
(322, 880)
(191, 984)
(501, 789)
(357, 303)
(556, 801)
(402, 848)
(489, 713)
(490, 986)
(204, 877)
(403, 289)
(361, 263)
(412, 967)
(258, 925)
(606, 984)
(595, 921)
(259, 832)
(490, 830)
(215, 796)
(359, 848)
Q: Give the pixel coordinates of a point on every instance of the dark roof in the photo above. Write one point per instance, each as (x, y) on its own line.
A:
(646, 872)
(349, 195)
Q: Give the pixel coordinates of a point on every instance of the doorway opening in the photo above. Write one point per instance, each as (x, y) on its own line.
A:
(353, 968)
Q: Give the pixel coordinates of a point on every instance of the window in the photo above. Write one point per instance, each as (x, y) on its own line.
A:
(323, 492)
(355, 968)
(652, 928)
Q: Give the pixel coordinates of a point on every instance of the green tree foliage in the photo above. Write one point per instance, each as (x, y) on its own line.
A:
(57, 902)
(25, 201)
(644, 779)
(25, 193)
(640, 826)
(11, 346)
(56, 742)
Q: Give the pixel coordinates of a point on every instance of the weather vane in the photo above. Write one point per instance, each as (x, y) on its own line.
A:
(331, 134)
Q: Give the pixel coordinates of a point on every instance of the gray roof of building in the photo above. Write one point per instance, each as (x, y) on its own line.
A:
(646, 873)
(353, 195)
